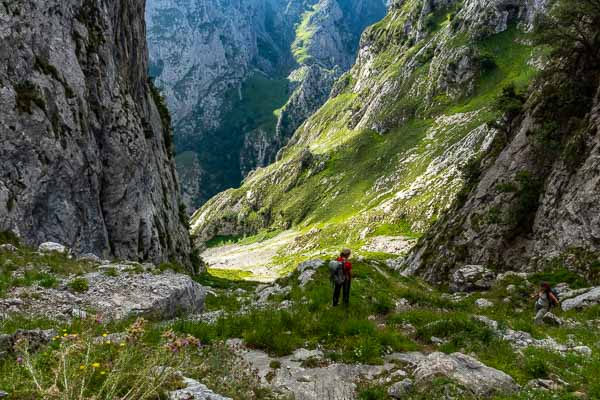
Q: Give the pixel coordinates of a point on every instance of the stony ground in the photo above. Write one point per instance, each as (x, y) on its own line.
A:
(221, 339)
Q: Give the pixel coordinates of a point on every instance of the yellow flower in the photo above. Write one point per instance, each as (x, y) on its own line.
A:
(108, 342)
(82, 367)
(96, 365)
(65, 335)
(104, 334)
(103, 373)
(122, 344)
(64, 330)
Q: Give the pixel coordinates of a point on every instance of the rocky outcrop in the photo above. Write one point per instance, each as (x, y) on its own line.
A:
(224, 68)
(85, 151)
(123, 292)
(534, 201)
(479, 379)
(587, 299)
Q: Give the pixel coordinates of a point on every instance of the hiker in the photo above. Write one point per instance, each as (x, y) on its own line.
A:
(546, 299)
(341, 277)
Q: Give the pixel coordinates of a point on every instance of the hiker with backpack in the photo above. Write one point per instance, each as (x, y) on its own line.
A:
(546, 299)
(341, 277)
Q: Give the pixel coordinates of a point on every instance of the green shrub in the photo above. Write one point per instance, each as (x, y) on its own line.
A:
(8, 237)
(371, 392)
(112, 272)
(537, 367)
(510, 102)
(79, 285)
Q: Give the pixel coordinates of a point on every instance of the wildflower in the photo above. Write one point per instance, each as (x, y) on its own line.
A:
(82, 367)
(103, 373)
(65, 335)
(96, 365)
(64, 330)
(122, 344)
(104, 334)
(107, 342)
(19, 360)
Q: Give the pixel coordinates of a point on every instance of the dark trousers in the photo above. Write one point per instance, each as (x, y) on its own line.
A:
(339, 288)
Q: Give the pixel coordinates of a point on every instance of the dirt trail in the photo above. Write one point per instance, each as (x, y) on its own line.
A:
(255, 259)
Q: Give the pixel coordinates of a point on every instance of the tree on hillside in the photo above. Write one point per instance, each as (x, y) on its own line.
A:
(572, 29)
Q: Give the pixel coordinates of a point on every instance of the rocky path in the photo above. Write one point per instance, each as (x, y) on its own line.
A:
(255, 261)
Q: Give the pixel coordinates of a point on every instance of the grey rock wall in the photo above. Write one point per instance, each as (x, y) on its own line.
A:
(84, 154)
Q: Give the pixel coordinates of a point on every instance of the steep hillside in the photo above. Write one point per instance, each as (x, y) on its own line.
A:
(241, 76)
(534, 201)
(385, 154)
(85, 156)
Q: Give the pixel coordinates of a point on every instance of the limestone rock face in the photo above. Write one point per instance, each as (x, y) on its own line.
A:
(561, 223)
(85, 158)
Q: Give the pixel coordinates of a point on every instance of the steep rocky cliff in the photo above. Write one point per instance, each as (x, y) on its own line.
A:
(241, 76)
(85, 155)
(386, 153)
(533, 201)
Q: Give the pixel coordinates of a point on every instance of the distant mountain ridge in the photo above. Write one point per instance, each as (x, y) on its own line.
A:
(224, 68)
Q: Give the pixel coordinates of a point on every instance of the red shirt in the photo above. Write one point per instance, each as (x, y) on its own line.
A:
(347, 266)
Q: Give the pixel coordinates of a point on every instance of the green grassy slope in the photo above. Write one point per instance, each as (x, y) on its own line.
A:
(374, 155)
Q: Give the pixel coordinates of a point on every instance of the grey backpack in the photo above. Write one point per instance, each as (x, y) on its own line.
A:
(336, 272)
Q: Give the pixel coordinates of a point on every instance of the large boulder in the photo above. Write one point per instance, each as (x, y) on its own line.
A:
(587, 299)
(470, 373)
(157, 296)
(472, 278)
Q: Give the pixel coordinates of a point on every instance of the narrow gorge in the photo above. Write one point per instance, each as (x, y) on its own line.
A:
(241, 76)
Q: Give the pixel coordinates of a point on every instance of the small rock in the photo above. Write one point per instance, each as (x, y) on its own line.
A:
(400, 373)
(511, 288)
(9, 248)
(89, 257)
(552, 319)
(77, 313)
(306, 277)
(50, 247)
(194, 390)
(507, 300)
(304, 354)
(483, 303)
(401, 389)
(544, 384)
(437, 340)
(311, 265)
(583, 350)
(3, 394)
